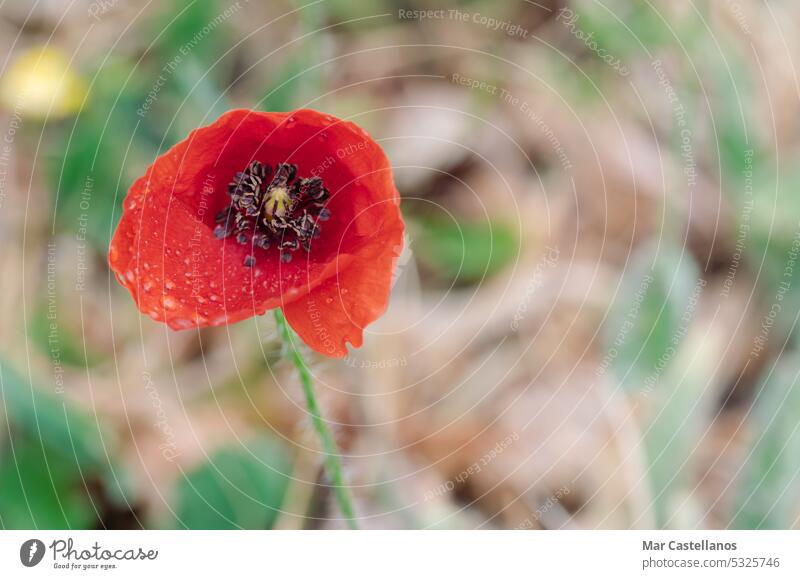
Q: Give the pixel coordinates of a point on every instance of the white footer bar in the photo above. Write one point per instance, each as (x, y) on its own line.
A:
(402, 554)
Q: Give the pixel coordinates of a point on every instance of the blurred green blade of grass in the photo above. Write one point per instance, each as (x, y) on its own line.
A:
(201, 93)
(768, 495)
(646, 316)
(649, 355)
(198, 27)
(239, 488)
(298, 79)
(92, 163)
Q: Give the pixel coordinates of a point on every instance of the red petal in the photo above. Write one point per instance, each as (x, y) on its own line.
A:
(338, 310)
(164, 251)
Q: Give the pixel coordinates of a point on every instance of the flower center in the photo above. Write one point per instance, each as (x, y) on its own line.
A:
(273, 208)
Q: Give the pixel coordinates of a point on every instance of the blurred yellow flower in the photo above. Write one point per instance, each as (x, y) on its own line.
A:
(41, 84)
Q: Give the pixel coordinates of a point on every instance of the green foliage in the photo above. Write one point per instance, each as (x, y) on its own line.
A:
(196, 27)
(41, 488)
(465, 251)
(51, 453)
(238, 488)
(93, 166)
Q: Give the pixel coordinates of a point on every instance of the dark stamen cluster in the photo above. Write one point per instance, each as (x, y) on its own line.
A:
(273, 208)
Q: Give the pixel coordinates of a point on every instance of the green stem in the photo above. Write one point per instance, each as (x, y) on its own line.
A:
(333, 461)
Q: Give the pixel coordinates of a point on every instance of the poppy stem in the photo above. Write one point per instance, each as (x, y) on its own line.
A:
(333, 458)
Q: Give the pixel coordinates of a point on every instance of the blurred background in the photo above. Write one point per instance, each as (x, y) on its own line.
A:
(593, 324)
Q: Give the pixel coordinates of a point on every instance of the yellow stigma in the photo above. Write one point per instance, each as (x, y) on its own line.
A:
(278, 202)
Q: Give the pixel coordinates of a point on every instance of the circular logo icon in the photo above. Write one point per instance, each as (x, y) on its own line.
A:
(32, 552)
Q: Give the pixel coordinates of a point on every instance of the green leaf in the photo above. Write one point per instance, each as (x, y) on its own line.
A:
(41, 489)
(62, 427)
(239, 488)
(465, 251)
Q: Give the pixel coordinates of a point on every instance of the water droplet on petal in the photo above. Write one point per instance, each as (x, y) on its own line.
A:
(129, 274)
(169, 285)
(170, 303)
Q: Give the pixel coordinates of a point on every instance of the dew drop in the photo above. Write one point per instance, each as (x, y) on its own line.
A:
(169, 285)
(129, 274)
(213, 297)
(170, 303)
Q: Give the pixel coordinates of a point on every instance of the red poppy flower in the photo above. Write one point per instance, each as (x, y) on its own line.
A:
(264, 210)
